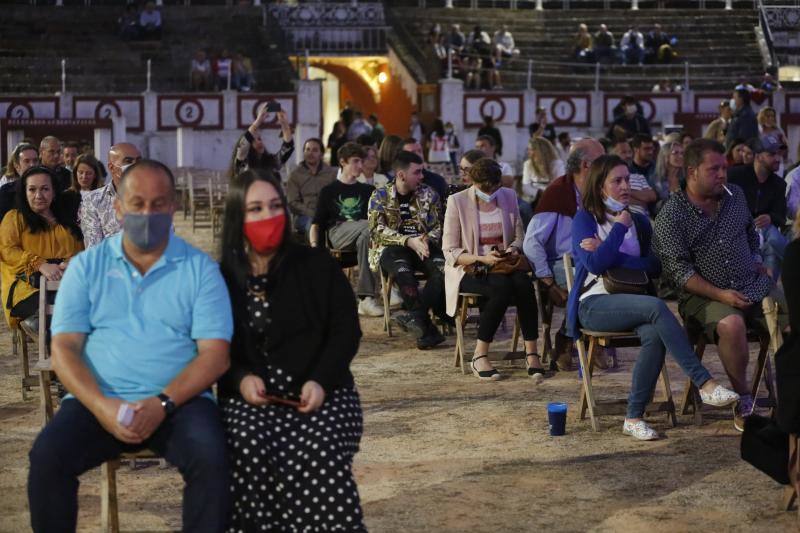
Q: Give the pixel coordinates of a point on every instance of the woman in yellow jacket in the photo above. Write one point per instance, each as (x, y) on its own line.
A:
(36, 237)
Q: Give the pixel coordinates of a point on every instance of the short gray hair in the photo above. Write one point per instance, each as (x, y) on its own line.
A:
(574, 160)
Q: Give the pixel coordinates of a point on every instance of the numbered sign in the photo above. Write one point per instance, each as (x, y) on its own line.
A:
(249, 104)
(565, 109)
(190, 111)
(100, 107)
(14, 108)
(503, 108)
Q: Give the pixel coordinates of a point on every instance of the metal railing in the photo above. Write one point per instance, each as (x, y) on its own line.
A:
(767, 32)
(327, 40)
(578, 4)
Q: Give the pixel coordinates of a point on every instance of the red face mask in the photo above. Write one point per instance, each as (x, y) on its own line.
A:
(265, 235)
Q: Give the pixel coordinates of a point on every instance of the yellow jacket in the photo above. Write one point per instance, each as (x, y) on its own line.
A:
(23, 252)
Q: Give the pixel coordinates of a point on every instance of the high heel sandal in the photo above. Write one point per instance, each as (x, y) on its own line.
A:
(536, 374)
(484, 375)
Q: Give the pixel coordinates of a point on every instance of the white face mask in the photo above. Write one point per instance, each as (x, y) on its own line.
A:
(614, 205)
(733, 104)
(485, 197)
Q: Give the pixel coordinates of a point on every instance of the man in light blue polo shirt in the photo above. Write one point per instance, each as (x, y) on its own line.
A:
(144, 320)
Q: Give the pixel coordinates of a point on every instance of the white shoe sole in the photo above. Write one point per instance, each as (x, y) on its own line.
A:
(631, 434)
(537, 378)
(720, 404)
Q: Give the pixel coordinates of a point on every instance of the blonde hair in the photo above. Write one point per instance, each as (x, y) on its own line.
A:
(761, 116)
(547, 154)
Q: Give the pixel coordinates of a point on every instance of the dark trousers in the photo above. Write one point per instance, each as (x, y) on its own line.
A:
(402, 262)
(74, 441)
(499, 291)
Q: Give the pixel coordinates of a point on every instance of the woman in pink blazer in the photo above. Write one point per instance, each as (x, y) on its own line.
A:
(477, 220)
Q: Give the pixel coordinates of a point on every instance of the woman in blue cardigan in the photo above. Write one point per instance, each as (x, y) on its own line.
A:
(606, 235)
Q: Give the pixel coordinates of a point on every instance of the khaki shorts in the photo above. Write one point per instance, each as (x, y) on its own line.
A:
(701, 314)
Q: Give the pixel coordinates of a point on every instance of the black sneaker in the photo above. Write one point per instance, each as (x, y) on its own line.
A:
(431, 339)
(408, 323)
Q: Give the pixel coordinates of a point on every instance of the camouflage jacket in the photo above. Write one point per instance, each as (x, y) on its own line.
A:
(384, 219)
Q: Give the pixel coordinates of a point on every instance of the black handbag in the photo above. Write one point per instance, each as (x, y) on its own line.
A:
(621, 280)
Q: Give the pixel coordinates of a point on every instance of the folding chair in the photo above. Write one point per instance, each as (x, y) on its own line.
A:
(467, 301)
(19, 343)
(387, 282)
(346, 257)
(546, 307)
(615, 339)
(109, 503)
(43, 366)
(766, 340)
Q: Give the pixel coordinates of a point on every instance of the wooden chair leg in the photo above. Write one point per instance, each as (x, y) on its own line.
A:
(461, 320)
(788, 498)
(25, 363)
(759, 373)
(587, 396)
(515, 335)
(671, 414)
(386, 292)
(45, 384)
(109, 511)
(690, 394)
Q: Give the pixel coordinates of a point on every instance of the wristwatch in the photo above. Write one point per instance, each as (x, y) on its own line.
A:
(167, 403)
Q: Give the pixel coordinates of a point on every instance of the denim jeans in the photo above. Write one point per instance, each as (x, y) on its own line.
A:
(192, 439)
(659, 332)
(773, 248)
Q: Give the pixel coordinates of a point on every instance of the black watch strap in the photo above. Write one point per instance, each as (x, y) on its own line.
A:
(167, 403)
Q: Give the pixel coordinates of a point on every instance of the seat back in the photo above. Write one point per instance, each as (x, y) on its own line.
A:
(45, 315)
(569, 270)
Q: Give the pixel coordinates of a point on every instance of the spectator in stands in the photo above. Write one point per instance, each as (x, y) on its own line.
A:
(69, 153)
(434, 33)
(582, 45)
(541, 128)
(50, 155)
(439, 52)
(341, 219)
(438, 149)
(38, 236)
(336, 140)
(644, 149)
(504, 48)
(456, 39)
(305, 183)
(603, 46)
(296, 331)
(250, 151)
(669, 176)
(540, 169)
(242, 72)
(769, 84)
(406, 231)
(605, 235)
(739, 153)
(129, 29)
(660, 46)
(223, 70)
(549, 235)
(431, 179)
(632, 46)
(378, 131)
(491, 130)
(630, 123)
(563, 145)
(369, 167)
(475, 241)
(765, 192)
(23, 157)
(86, 175)
(150, 22)
(743, 123)
(97, 216)
(709, 248)
(622, 149)
(143, 320)
(479, 47)
(453, 144)
(201, 71)
(719, 126)
(666, 86)
(358, 127)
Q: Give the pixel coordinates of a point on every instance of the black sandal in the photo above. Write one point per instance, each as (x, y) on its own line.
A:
(484, 375)
(534, 372)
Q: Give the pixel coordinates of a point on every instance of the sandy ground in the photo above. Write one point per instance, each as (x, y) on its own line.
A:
(442, 452)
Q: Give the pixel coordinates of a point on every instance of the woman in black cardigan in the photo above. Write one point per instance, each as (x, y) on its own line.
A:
(295, 332)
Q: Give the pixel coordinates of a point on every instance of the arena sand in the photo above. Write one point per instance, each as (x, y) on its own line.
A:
(444, 453)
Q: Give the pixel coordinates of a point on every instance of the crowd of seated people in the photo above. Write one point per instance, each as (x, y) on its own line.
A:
(633, 48)
(140, 21)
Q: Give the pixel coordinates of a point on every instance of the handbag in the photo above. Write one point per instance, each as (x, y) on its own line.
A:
(557, 295)
(508, 265)
(622, 280)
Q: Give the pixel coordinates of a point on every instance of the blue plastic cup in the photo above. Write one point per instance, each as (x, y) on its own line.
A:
(557, 418)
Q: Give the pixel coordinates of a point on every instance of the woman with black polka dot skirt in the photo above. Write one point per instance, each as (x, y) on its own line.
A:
(296, 331)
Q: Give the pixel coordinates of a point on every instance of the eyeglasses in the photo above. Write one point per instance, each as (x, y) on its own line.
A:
(464, 170)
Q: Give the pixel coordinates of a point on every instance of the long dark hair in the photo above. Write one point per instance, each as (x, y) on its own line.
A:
(253, 160)
(35, 222)
(86, 159)
(234, 262)
(593, 191)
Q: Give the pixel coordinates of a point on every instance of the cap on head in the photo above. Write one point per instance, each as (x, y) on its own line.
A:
(765, 143)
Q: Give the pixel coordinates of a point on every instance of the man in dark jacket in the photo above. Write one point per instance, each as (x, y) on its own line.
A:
(743, 124)
(766, 197)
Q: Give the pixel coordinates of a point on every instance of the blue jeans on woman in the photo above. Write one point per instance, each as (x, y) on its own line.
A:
(659, 332)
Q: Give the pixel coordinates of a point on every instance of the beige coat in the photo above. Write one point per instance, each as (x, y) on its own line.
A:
(461, 235)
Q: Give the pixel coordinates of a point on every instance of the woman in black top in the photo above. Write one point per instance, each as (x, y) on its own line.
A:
(250, 151)
(295, 332)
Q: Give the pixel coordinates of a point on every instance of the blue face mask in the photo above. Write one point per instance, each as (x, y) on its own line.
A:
(614, 205)
(147, 232)
(485, 197)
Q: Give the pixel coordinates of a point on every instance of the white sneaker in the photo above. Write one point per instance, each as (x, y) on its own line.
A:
(370, 307)
(639, 430)
(719, 397)
(394, 298)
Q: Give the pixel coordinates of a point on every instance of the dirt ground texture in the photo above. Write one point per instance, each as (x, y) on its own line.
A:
(442, 452)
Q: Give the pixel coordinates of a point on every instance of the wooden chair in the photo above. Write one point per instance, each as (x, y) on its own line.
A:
(615, 339)
(43, 366)
(109, 503)
(387, 282)
(19, 343)
(346, 257)
(546, 316)
(467, 301)
(772, 339)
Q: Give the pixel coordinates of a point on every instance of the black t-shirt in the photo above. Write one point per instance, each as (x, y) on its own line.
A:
(768, 198)
(407, 226)
(339, 202)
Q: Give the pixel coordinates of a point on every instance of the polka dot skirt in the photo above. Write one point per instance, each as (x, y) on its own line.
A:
(292, 471)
